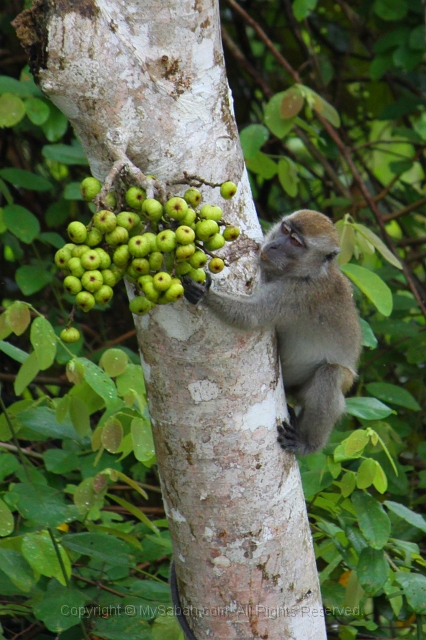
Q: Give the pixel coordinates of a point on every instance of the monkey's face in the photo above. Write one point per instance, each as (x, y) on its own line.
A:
(303, 245)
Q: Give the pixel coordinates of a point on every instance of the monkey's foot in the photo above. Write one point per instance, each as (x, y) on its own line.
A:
(288, 435)
(193, 291)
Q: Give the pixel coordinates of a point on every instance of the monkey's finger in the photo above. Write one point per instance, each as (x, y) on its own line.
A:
(193, 291)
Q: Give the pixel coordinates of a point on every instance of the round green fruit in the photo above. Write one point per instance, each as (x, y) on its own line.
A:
(198, 275)
(185, 251)
(69, 335)
(144, 279)
(108, 277)
(210, 212)
(228, 190)
(94, 237)
(85, 301)
(105, 259)
(78, 251)
(150, 291)
(152, 237)
(120, 235)
(117, 271)
(110, 201)
(174, 292)
(77, 232)
(206, 229)
(90, 260)
(128, 220)
(72, 285)
(166, 241)
(105, 221)
(198, 260)
(92, 280)
(192, 196)
(76, 268)
(215, 243)
(139, 246)
(104, 294)
(183, 268)
(135, 197)
(156, 261)
(121, 256)
(152, 209)
(89, 188)
(62, 257)
(189, 218)
(162, 281)
(184, 234)
(176, 208)
(132, 273)
(141, 266)
(231, 233)
(216, 265)
(140, 305)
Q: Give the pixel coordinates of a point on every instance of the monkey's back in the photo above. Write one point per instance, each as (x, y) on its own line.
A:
(327, 331)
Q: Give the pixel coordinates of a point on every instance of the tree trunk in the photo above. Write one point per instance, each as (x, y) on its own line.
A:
(145, 82)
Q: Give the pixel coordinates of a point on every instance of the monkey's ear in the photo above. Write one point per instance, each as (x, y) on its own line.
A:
(330, 256)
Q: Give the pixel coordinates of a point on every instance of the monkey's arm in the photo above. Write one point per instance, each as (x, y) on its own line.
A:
(262, 309)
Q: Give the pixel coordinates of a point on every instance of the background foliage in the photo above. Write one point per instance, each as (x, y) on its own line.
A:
(330, 100)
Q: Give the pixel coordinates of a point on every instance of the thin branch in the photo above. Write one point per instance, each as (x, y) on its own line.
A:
(26, 452)
(405, 210)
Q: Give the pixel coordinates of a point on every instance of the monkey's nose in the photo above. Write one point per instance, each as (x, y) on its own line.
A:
(263, 256)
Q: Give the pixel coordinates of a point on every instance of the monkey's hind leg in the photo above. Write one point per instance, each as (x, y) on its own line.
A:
(323, 403)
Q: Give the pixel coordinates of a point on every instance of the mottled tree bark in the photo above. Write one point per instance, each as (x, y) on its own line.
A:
(144, 83)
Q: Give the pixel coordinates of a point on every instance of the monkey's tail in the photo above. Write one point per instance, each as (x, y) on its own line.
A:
(177, 605)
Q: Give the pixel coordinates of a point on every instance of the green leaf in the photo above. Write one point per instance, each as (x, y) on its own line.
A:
(65, 154)
(346, 240)
(368, 337)
(143, 443)
(252, 139)
(262, 165)
(166, 628)
(18, 317)
(131, 379)
(100, 546)
(7, 523)
(26, 180)
(72, 191)
(21, 222)
(80, 416)
(381, 63)
(348, 484)
(59, 608)
(117, 628)
(372, 570)
(85, 496)
(380, 481)
(12, 110)
(44, 505)
(112, 435)
(292, 102)
(134, 511)
(372, 286)
(52, 238)
(32, 278)
(17, 569)
(26, 374)
(366, 473)
(393, 394)
(414, 587)
(60, 461)
(390, 9)
(56, 124)
(13, 352)
(367, 408)
(38, 550)
(356, 442)
(23, 89)
(417, 38)
(372, 518)
(287, 175)
(57, 213)
(378, 244)
(403, 512)
(99, 381)
(114, 362)
(42, 420)
(43, 339)
(302, 8)
(273, 118)
(5, 328)
(37, 110)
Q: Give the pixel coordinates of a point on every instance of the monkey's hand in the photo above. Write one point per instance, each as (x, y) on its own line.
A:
(288, 434)
(195, 292)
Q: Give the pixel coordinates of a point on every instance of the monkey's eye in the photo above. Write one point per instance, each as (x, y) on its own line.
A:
(285, 229)
(296, 241)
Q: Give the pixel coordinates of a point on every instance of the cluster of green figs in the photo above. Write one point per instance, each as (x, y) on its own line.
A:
(151, 244)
